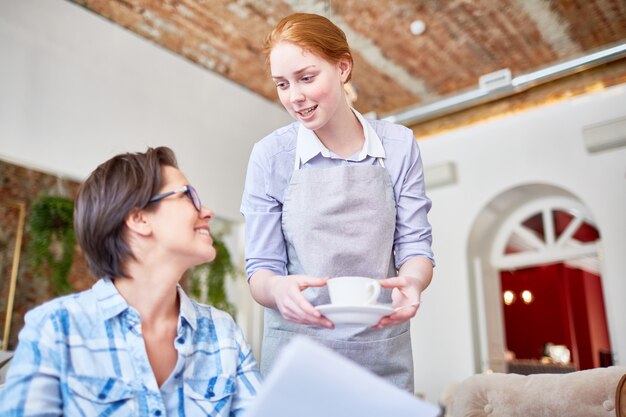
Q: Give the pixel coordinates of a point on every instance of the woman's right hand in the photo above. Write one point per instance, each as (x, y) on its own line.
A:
(284, 293)
(293, 306)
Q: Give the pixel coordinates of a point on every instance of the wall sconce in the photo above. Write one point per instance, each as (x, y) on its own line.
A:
(509, 297)
(527, 297)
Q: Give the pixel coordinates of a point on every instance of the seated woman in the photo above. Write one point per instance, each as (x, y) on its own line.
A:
(134, 344)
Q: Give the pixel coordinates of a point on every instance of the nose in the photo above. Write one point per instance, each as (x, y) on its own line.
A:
(295, 95)
(206, 213)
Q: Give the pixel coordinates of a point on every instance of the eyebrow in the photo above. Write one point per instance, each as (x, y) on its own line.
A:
(298, 72)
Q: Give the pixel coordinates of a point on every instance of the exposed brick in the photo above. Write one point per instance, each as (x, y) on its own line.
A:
(464, 39)
(24, 185)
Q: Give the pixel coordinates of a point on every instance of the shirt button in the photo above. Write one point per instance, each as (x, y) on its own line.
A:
(181, 340)
(157, 412)
(101, 396)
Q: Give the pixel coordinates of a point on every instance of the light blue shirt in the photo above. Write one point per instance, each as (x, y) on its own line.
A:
(269, 172)
(84, 355)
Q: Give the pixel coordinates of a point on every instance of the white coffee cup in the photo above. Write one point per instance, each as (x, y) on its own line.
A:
(353, 291)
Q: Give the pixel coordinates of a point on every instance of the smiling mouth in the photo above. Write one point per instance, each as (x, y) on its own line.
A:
(307, 111)
(203, 232)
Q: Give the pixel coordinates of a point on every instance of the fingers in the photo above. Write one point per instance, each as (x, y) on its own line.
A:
(305, 282)
(405, 291)
(406, 298)
(305, 314)
(401, 281)
(396, 318)
(294, 307)
(394, 282)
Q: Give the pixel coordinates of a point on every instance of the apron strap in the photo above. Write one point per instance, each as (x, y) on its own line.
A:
(296, 165)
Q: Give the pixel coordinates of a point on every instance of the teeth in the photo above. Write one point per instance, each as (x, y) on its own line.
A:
(308, 111)
(202, 231)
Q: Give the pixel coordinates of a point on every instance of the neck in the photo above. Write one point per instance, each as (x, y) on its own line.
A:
(151, 291)
(343, 134)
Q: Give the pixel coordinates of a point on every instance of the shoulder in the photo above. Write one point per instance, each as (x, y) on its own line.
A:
(391, 131)
(280, 141)
(59, 312)
(398, 141)
(271, 162)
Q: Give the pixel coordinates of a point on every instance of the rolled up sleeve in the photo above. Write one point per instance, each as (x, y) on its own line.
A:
(265, 243)
(413, 235)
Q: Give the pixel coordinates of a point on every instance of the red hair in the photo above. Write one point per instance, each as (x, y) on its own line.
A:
(313, 33)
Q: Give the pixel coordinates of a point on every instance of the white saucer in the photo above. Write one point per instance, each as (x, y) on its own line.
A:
(363, 315)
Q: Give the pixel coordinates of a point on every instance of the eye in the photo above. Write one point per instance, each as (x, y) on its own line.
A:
(281, 85)
(308, 78)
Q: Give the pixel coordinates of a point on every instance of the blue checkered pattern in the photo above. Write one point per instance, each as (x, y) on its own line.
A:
(84, 355)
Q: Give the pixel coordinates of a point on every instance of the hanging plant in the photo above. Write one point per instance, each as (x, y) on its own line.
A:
(52, 241)
(207, 281)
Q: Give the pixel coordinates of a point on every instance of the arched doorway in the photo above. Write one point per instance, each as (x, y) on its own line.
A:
(547, 255)
(536, 278)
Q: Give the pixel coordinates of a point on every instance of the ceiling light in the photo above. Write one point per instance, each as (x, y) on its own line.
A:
(418, 27)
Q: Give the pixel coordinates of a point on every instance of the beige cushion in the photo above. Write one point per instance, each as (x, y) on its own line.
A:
(586, 393)
(620, 397)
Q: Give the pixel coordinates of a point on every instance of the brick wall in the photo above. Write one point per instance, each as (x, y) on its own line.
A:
(23, 185)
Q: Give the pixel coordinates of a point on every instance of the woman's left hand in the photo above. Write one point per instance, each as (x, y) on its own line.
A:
(413, 278)
(405, 297)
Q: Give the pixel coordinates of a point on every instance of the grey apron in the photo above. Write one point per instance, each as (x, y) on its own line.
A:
(340, 221)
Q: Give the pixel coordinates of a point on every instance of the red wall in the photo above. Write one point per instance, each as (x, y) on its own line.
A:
(591, 328)
(568, 309)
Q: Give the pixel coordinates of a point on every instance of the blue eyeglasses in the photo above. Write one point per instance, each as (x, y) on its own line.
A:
(188, 190)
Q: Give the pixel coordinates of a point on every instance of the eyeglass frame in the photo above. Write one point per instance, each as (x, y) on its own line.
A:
(188, 190)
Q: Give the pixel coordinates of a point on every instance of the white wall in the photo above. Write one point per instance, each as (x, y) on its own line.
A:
(544, 146)
(76, 89)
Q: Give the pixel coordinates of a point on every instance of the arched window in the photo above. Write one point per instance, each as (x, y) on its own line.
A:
(554, 229)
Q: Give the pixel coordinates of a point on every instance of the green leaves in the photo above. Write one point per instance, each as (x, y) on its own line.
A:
(208, 280)
(52, 242)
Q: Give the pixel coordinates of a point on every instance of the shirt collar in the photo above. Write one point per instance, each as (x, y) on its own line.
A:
(109, 299)
(187, 309)
(310, 145)
(112, 303)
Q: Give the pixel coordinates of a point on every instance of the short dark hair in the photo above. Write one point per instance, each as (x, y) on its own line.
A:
(115, 188)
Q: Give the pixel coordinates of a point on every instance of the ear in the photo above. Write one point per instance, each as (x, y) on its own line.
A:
(345, 68)
(137, 222)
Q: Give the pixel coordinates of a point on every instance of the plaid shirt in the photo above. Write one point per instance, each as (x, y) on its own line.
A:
(84, 355)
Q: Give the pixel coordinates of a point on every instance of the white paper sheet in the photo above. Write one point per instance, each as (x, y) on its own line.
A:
(310, 380)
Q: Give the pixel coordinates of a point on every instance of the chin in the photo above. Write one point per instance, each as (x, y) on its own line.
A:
(313, 125)
(211, 256)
